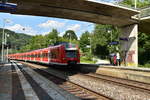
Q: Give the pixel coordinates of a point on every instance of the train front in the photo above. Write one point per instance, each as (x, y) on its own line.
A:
(72, 56)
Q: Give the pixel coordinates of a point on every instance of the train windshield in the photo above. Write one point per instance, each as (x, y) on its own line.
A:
(71, 53)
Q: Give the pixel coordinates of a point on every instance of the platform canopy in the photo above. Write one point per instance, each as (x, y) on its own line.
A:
(144, 23)
(83, 10)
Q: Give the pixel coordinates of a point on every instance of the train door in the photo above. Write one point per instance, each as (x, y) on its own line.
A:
(38, 56)
(62, 55)
(45, 56)
(49, 55)
(32, 58)
(35, 56)
(54, 55)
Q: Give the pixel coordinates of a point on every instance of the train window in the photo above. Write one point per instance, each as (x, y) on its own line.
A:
(53, 55)
(71, 53)
(43, 55)
(46, 55)
(34, 55)
(50, 55)
(38, 55)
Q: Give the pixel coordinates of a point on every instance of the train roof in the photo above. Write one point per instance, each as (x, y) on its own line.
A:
(50, 47)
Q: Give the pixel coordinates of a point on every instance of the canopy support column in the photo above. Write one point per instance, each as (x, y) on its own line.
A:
(129, 45)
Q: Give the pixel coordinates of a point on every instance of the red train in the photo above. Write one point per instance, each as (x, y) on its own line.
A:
(61, 54)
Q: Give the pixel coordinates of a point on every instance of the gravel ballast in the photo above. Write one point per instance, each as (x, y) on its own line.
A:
(109, 89)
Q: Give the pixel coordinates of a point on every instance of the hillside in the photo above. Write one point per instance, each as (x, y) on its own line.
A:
(15, 40)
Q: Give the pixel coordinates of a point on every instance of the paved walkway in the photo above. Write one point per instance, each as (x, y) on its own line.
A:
(18, 82)
(5, 82)
(103, 62)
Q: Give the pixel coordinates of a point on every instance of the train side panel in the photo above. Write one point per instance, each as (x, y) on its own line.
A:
(52, 55)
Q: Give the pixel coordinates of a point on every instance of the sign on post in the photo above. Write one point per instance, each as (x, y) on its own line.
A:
(114, 43)
(123, 39)
(8, 7)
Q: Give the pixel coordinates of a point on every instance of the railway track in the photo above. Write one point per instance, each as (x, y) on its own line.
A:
(144, 87)
(138, 87)
(119, 81)
(77, 90)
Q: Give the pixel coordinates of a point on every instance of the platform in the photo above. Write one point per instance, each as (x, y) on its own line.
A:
(5, 82)
(131, 73)
(136, 74)
(22, 83)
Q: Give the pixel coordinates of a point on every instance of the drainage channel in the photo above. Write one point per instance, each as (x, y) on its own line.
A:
(40, 93)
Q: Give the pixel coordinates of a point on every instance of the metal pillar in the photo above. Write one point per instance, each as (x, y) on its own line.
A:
(6, 51)
(129, 46)
(3, 40)
(135, 4)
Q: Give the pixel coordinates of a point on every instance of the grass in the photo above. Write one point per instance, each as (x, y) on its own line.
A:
(145, 66)
(87, 60)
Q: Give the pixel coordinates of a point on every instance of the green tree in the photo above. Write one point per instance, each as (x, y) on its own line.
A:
(25, 48)
(144, 48)
(85, 41)
(140, 3)
(101, 38)
(70, 35)
(52, 37)
(15, 40)
(35, 43)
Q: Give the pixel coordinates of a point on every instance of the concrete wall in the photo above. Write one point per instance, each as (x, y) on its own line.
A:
(129, 47)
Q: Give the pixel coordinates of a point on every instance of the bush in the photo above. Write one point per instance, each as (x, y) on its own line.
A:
(88, 58)
(145, 66)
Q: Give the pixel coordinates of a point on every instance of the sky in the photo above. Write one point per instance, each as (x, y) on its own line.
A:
(34, 25)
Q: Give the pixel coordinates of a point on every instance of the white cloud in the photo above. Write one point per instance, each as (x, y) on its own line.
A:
(62, 33)
(45, 33)
(21, 29)
(15, 27)
(75, 27)
(52, 24)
